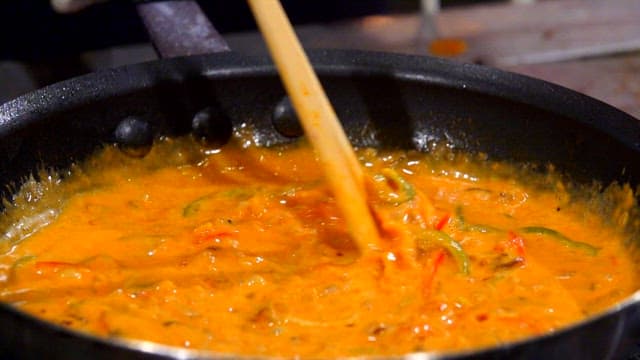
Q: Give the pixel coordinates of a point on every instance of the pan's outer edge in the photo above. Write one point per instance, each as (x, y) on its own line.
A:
(19, 112)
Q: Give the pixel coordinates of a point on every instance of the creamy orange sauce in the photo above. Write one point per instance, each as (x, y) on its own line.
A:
(243, 251)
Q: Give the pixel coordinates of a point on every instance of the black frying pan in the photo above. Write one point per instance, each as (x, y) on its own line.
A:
(399, 101)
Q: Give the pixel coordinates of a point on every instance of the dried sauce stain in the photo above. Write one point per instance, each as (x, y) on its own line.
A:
(466, 261)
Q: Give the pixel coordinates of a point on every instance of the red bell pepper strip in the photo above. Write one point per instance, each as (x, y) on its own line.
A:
(443, 222)
(434, 262)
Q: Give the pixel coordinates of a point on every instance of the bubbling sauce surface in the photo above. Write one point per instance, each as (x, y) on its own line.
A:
(244, 251)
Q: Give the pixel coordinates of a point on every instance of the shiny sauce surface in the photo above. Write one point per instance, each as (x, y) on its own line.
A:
(242, 250)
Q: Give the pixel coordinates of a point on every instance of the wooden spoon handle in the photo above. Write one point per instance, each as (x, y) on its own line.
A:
(321, 125)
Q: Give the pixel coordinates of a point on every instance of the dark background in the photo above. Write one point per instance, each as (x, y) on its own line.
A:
(39, 47)
(31, 31)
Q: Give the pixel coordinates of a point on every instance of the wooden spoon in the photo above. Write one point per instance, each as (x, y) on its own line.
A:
(320, 123)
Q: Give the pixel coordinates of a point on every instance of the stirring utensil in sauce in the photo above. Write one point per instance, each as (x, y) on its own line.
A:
(320, 123)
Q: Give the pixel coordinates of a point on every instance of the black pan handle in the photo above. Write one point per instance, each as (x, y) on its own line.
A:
(179, 28)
